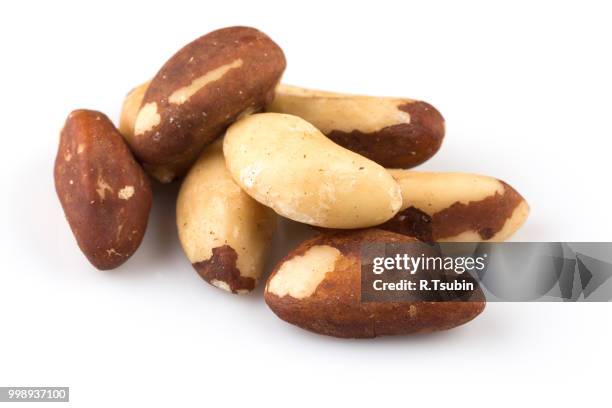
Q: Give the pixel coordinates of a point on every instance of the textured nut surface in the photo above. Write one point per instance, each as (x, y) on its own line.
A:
(105, 194)
(225, 234)
(202, 89)
(285, 163)
(317, 287)
(129, 110)
(394, 132)
(457, 207)
(164, 173)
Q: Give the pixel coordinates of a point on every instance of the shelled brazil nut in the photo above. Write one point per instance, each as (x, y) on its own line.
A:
(285, 163)
(317, 287)
(457, 207)
(198, 92)
(105, 194)
(225, 233)
(394, 132)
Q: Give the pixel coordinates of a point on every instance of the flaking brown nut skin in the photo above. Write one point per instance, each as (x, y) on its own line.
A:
(105, 194)
(201, 90)
(459, 207)
(325, 298)
(394, 132)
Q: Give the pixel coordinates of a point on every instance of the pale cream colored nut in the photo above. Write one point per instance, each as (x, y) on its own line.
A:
(317, 287)
(129, 110)
(200, 90)
(225, 234)
(394, 132)
(457, 207)
(285, 163)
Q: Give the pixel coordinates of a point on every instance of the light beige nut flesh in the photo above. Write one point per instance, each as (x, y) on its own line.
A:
(285, 163)
(225, 234)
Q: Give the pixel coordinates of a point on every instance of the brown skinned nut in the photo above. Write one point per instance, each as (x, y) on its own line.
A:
(104, 192)
(201, 90)
(129, 111)
(317, 287)
(394, 132)
(456, 207)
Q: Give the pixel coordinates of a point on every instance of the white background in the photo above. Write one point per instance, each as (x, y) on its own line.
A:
(525, 89)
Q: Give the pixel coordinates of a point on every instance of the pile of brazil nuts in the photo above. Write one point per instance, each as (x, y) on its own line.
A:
(248, 150)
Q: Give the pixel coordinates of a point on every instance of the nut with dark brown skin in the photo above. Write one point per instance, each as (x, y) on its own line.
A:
(394, 132)
(201, 90)
(317, 287)
(456, 207)
(225, 234)
(104, 192)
